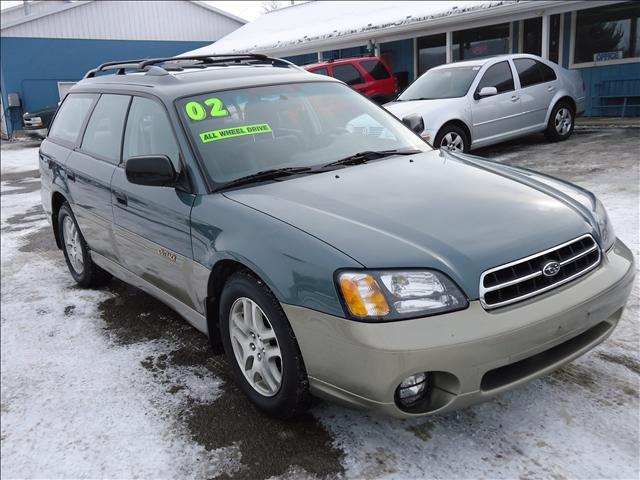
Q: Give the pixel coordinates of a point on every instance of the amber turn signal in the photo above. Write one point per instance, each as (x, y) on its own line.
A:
(362, 295)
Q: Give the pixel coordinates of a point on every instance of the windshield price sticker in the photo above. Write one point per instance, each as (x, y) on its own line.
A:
(213, 135)
(195, 111)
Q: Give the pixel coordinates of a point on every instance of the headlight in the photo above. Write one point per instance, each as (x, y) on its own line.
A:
(607, 235)
(383, 295)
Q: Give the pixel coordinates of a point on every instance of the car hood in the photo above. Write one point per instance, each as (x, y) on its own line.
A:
(455, 214)
(421, 107)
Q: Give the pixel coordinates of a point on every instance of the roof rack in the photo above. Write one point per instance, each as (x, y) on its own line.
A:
(122, 66)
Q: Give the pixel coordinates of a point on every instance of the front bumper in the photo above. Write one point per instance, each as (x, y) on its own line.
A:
(474, 354)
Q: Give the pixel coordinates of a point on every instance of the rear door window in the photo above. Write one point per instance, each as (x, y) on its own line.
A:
(71, 116)
(499, 76)
(149, 132)
(376, 69)
(348, 74)
(321, 71)
(532, 72)
(103, 136)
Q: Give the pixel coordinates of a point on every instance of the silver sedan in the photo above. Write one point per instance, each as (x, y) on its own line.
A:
(472, 104)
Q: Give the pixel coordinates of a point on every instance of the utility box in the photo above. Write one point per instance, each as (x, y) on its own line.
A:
(13, 100)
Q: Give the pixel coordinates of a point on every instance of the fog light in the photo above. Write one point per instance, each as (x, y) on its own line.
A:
(412, 389)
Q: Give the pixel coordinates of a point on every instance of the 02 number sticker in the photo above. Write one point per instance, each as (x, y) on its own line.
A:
(195, 111)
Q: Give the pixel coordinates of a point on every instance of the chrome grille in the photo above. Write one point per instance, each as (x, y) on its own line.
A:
(524, 278)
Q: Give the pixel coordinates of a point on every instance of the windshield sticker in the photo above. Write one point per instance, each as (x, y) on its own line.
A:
(213, 135)
(217, 108)
(195, 111)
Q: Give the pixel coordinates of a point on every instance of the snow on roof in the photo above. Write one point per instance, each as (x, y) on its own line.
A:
(308, 23)
(19, 14)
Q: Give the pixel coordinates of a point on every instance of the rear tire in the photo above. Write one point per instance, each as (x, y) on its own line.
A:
(261, 347)
(561, 122)
(452, 138)
(76, 252)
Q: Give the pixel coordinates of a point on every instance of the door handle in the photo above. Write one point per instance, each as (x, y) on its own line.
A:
(71, 176)
(121, 198)
(551, 89)
(515, 98)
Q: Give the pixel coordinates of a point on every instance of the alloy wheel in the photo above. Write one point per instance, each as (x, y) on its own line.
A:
(255, 346)
(563, 121)
(452, 142)
(72, 245)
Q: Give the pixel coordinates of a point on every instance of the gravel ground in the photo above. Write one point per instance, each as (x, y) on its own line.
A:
(111, 383)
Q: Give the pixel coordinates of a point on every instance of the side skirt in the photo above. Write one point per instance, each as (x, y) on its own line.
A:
(196, 319)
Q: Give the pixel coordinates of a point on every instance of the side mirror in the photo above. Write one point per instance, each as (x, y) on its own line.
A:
(150, 170)
(414, 122)
(487, 92)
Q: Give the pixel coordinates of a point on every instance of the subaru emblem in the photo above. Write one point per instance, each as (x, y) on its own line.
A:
(551, 269)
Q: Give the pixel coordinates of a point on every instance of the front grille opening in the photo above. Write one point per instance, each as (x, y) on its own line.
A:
(514, 372)
(523, 279)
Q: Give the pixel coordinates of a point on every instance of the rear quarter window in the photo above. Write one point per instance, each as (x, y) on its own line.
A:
(376, 69)
(71, 117)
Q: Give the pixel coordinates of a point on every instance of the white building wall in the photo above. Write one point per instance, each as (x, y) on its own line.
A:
(126, 20)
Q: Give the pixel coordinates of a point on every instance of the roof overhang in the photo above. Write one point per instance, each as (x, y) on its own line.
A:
(494, 13)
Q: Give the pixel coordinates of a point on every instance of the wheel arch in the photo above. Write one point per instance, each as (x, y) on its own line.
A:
(57, 200)
(458, 123)
(562, 98)
(220, 273)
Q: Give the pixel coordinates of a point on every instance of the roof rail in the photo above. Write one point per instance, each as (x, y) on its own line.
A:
(144, 64)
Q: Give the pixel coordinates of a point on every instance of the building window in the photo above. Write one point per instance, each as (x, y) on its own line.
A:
(432, 51)
(532, 36)
(554, 38)
(607, 33)
(481, 42)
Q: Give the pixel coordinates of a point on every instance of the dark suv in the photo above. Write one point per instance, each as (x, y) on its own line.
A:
(325, 245)
(368, 75)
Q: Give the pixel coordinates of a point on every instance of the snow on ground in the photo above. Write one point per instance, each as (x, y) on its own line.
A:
(73, 404)
(79, 402)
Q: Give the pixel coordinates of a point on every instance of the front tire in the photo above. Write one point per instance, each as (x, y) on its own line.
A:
(452, 138)
(76, 252)
(261, 347)
(561, 122)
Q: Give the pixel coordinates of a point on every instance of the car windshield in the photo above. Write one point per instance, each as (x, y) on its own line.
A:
(441, 83)
(242, 132)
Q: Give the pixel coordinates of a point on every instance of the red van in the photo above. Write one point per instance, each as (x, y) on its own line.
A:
(367, 75)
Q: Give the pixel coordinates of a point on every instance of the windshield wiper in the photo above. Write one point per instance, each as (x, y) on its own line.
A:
(270, 174)
(365, 156)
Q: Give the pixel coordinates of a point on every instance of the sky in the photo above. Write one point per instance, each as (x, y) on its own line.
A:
(248, 10)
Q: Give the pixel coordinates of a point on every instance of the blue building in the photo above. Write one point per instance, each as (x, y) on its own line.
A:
(601, 39)
(47, 46)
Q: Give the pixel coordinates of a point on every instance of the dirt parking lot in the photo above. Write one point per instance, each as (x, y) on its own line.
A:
(111, 383)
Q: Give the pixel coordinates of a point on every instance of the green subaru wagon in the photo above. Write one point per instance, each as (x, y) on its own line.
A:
(320, 241)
